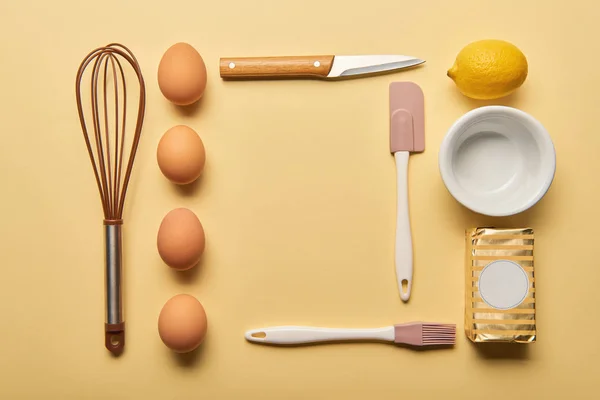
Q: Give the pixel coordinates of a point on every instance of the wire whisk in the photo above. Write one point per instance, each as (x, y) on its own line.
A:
(112, 155)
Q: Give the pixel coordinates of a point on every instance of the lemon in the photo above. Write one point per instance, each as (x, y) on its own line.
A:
(489, 69)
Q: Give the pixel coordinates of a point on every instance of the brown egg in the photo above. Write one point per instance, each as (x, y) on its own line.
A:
(181, 239)
(181, 155)
(182, 323)
(182, 74)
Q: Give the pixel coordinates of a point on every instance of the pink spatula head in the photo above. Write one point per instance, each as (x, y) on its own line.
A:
(407, 117)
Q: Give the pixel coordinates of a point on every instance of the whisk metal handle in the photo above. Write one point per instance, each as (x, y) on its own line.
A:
(115, 326)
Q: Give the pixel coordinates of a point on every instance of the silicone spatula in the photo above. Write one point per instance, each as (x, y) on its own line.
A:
(407, 135)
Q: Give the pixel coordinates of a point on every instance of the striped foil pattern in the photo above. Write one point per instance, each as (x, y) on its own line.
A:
(482, 322)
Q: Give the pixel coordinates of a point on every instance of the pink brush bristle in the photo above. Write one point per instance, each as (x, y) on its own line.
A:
(425, 334)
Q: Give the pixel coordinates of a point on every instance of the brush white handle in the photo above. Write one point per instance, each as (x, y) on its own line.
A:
(404, 250)
(308, 334)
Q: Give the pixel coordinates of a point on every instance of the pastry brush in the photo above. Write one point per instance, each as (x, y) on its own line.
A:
(412, 334)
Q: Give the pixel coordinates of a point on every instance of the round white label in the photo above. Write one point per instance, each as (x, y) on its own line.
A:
(503, 284)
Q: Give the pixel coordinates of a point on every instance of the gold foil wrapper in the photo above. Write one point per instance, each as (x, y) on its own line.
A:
(482, 322)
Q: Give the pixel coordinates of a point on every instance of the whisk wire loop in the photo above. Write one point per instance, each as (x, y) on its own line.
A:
(106, 143)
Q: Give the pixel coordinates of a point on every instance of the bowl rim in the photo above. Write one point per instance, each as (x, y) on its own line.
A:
(540, 133)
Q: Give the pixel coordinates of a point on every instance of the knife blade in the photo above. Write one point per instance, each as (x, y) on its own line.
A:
(316, 67)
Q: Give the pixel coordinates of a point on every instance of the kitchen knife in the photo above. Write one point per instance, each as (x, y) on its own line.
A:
(315, 67)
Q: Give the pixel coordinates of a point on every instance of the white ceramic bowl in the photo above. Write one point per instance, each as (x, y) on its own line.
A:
(497, 160)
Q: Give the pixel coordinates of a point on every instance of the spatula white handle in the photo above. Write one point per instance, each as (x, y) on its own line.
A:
(307, 334)
(404, 250)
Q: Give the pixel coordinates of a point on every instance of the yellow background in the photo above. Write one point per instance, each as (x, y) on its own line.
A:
(297, 200)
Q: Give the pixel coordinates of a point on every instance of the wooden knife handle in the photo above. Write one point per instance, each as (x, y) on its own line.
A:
(273, 67)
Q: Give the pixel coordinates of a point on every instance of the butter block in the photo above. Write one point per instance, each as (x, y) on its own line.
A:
(500, 285)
